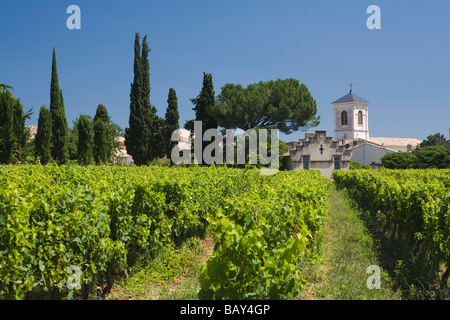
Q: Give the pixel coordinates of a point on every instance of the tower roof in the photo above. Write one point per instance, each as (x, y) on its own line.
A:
(350, 97)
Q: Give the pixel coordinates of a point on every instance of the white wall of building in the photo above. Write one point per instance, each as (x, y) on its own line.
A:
(368, 153)
(353, 130)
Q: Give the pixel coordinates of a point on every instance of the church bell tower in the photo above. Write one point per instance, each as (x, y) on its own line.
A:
(351, 117)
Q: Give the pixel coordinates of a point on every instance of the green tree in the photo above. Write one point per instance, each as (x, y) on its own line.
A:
(7, 138)
(59, 121)
(145, 76)
(4, 87)
(21, 133)
(114, 131)
(172, 120)
(433, 157)
(204, 104)
(102, 144)
(104, 137)
(144, 139)
(137, 135)
(156, 147)
(354, 165)
(72, 141)
(433, 140)
(14, 144)
(283, 104)
(102, 113)
(85, 135)
(44, 136)
(398, 160)
(189, 125)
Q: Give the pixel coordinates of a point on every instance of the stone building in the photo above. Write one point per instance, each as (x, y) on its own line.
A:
(317, 152)
(351, 141)
(351, 128)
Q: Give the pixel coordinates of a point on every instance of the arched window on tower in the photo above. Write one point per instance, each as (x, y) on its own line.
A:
(344, 120)
(360, 118)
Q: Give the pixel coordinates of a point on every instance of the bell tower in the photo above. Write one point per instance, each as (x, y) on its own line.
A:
(351, 117)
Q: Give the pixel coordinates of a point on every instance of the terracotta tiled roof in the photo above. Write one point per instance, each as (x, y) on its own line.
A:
(396, 142)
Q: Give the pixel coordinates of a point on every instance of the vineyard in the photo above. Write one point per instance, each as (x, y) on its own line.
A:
(409, 212)
(57, 220)
(66, 231)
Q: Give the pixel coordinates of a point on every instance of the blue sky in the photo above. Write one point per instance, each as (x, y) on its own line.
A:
(402, 69)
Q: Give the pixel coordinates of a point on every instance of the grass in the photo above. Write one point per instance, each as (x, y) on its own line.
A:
(172, 275)
(346, 251)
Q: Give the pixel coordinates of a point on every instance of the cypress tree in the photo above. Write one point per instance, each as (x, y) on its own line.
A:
(204, 104)
(145, 77)
(7, 138)
(43, 136)
(85, 136)
(157, 140)
(21, 133)
(59, 121)
(144, 139)
(102, 113)
(102, 144)
(14, 143)
(137, 136)
(19, 124)
(72, 141)
(172, 120)
(156, 147)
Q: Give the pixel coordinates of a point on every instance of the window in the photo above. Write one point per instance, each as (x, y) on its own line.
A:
(305, 160)
(344, 120)
(360, 118)
(337, 162)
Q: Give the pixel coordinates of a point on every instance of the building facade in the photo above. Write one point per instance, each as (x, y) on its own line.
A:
(318, 152)
(351, 141)
(351, 128)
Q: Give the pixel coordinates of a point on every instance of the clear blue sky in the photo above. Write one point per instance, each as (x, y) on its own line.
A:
(402, 69)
